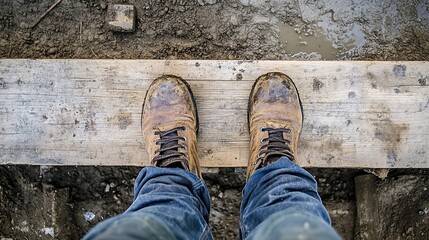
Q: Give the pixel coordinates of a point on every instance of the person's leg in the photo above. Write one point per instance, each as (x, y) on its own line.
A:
(170, 198)
(168, 204)
(131, 227)
(280, 200)
(300, 225)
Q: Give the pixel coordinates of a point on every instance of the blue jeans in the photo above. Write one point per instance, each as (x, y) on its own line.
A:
(280, 201)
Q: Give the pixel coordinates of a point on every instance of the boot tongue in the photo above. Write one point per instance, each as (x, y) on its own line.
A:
(170, 144)
(173, 162)
(276, 135)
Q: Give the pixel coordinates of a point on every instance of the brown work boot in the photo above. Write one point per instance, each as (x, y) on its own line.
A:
(170, 124)
(275, 118)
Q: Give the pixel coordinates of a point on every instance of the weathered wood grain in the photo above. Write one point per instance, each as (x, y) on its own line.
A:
(368, 225)
(87, 112)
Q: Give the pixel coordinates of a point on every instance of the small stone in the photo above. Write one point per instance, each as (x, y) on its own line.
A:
(163, 12)
(297, 30)
(89, 216)
(28, 39)
(48, 231)
(230, 193)
(424, 211)
(23, 25)
(204, 2)
(121, 18)
(52, 50)
(103, 5)
(180, 33)
(3, 43)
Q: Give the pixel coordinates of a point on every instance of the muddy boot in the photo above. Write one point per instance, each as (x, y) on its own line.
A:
(275, 118)
(170, 124)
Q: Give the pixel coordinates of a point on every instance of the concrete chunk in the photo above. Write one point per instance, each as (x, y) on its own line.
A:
(121, 18)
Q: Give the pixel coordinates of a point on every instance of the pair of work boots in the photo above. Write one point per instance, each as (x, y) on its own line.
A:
(170, 122)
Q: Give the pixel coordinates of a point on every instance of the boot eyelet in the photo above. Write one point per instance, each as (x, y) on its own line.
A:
(184, 139)
(184, 147)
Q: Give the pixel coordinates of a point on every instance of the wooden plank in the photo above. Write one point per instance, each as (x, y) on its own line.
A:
(87, 112)
(368, 225)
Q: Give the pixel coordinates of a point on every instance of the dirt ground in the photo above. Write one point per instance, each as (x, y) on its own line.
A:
(39, 202)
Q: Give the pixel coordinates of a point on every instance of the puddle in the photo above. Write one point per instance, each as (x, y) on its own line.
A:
(422, 10)
(317, 42)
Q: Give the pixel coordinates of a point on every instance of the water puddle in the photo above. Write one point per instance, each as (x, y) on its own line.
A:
(310, 41)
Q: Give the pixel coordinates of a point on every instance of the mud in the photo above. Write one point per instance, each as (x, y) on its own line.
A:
(38, 202)
(222, 30)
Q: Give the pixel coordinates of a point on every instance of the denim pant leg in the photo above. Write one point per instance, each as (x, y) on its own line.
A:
(280, 201)
(168, 204)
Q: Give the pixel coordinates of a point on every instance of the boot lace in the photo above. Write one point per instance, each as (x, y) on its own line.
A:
(274, 146)
(168, 153)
